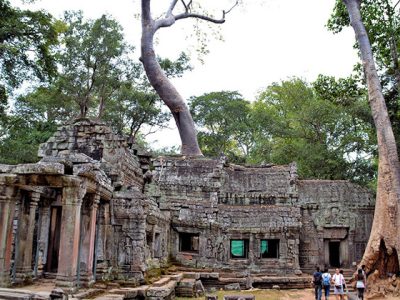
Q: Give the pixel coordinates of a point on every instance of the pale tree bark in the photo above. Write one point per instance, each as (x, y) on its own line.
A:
(383, 248)
(157, 77)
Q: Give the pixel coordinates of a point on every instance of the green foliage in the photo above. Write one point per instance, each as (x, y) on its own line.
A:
(131, 108)
(382, 22)
(175, 68)
(94, 61)
(96, 78)
(20, 145)
(325, 127)
(224, 121)
(319, 126)
(26, 42)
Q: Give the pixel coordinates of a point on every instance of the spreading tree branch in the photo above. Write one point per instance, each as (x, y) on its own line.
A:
(170, 19)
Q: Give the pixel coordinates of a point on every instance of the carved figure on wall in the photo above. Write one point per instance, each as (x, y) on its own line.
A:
(128, 250)
(221, 252)
(162, 247)
(209, 249)
(334, 216)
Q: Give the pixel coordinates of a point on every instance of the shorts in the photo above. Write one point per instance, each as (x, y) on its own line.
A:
(338, 291)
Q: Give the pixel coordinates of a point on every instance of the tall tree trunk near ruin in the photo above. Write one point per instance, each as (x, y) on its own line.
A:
(157, 77)
(383, 249)
(164, 87)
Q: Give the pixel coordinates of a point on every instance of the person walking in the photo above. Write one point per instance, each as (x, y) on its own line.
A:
(326, 283)
(317, 282)
(345, 291)
(360, 283)
(337, 281)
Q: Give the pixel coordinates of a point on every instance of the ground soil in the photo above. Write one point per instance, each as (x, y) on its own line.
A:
(307, 294)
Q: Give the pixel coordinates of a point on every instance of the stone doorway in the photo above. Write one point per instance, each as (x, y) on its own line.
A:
(54, 239)
(334, 254)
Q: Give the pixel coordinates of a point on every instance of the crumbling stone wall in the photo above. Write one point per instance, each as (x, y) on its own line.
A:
(89, 184)
(124, 217)
(333, 210)
(220, 202)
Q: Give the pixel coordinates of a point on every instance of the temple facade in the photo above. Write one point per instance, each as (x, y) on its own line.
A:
(95, 208)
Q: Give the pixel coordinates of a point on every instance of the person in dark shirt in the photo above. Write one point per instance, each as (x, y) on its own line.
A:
(317, 282)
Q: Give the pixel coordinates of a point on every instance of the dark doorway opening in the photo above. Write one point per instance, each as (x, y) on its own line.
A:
(54, 239)
(188, 242)
(334, 254)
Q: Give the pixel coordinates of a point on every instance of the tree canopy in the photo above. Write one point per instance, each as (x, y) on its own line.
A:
(96, 77)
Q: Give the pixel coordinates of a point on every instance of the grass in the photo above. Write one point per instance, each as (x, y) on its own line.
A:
(262, 294)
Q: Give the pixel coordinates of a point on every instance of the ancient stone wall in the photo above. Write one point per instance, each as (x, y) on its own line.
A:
(217, 202)
(84, 215)
(95, 208)
(333, 212)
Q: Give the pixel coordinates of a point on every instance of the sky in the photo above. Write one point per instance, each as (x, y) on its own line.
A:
(264, 41)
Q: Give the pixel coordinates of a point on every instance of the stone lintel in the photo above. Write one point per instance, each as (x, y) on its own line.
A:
(40, 168)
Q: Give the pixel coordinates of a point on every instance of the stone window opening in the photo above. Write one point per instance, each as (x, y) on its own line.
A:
(269, 248)
(240, 249)
(188, 242)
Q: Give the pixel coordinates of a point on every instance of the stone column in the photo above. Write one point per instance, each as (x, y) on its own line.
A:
(26, 227)
(44, 237)
(72, 194)
(7, 209)
(88, 244)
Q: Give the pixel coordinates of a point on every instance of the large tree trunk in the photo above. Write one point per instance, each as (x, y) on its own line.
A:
(164, 87)
(383, 248)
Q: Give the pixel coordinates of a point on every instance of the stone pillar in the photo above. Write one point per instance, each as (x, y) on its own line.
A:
(44, 237)
(26, 227)
(88, 244)
(72, 194)
(7, 209)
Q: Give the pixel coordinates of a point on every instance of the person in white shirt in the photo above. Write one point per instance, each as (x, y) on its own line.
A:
(337, 281)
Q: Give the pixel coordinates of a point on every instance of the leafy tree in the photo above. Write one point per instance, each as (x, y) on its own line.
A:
(26, 42)
(382, 22)
(158, 78)
(315, 127)
(132, 108)
(223, 118)
(96, 77)
(94, 61)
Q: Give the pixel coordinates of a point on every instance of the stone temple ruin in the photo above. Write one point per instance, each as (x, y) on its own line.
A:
(95, 208)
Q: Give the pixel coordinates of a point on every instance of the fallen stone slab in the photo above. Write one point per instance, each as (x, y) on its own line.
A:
(111, 297)
(130, 292)
(13, 294)
(161, 282)
(161, 292)
(232, 287)
(88, 293)
(177, 277)
(239, 297)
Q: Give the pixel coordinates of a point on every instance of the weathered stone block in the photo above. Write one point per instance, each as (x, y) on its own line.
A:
(239, 297)
(232, 287)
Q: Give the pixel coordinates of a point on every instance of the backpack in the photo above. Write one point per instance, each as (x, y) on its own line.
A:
(317, 278)
(326, 280)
